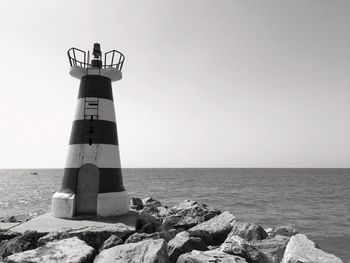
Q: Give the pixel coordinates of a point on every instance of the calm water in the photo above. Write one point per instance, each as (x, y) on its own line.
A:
(315, 201)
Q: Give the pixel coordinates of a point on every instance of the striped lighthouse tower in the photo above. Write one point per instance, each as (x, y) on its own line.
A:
(92, 181)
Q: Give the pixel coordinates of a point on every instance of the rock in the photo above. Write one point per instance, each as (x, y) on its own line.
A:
(272, 247)
(188, 214)
(218, 227)
(300, 249)
(269, 231)
(148, 251)
(26, 241)
(136, 203)
(287, 231)
(204, 235)
(148, 223)
(235, 245)
(17, 218)
(248, 231)
(93, 236)
(111, 242)
(71, 250)
(8, 234)
(166, 235)
(211, 256)
(183, 243)
(151, 202)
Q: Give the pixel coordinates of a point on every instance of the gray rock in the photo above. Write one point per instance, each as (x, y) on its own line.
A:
(111, 242)
(272, 247)
(218, 227)
(300, 249)
(148, 251)
(136, 203)
(203, 234)
(287, 231)
(8, 234)
(93, 236)
(166, 235)
(71, 250)
(248, 231)
(211, 256)
(235, 245)
(183, 243)
(188, 214)
(151, 202)
(148, 223)
(17, 218)
(269, 231)
(26, 241)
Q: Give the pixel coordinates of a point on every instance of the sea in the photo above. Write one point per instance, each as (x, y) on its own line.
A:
(314, 201)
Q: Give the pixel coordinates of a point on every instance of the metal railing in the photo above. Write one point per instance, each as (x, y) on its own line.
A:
(112, 59)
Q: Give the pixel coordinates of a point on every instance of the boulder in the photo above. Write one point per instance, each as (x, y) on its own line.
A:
(248, 231)
(235, 245)
(211, 256)
(218, 227)
(111, 242)
(151, 202)
(183, 243)
(148, 223)
(203, 234)
(17, 218)
(147, 251)
(188, 214)
(8, 234)
(71, 250)
(136, 203)
(302, 250)
(269, 231)
(27, 240)
(166, 235)
(273, 248)
(93, 236)
(286, 231)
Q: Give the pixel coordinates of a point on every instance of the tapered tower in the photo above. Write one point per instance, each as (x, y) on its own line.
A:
(92, 181)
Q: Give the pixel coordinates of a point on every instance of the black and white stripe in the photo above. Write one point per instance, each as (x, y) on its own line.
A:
(94, 137)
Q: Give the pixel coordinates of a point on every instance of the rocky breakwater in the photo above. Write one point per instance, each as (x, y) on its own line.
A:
(189, 232)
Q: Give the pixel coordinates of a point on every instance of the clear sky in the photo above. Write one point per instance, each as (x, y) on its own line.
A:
(206, 83)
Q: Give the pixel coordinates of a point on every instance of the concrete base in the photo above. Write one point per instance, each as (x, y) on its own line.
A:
(47, 223)
(112, 204)
(63, 205)
(108, 204)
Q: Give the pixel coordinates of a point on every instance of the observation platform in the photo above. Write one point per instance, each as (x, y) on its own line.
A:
(81, 65)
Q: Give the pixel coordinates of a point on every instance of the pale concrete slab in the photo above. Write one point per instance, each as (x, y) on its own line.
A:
(8, 225)
(47, 223)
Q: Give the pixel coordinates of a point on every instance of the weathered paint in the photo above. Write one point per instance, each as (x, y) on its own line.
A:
(63, 205)
(109, 204)
(111, 73)
(87, 189)
(111, 180)
(105, 109)
(95, 86)
(101, 155)
(98, 131)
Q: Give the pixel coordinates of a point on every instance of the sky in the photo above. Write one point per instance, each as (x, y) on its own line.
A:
(229, 83)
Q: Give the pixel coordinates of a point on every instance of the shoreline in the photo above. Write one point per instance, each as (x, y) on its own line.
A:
(170, 230)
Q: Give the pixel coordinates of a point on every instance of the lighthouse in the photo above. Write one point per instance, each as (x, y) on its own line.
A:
(92, 181)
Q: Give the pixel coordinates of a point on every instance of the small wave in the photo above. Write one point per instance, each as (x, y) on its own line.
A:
(243, 204)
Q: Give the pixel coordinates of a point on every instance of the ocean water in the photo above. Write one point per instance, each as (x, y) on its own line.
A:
(315, 201)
